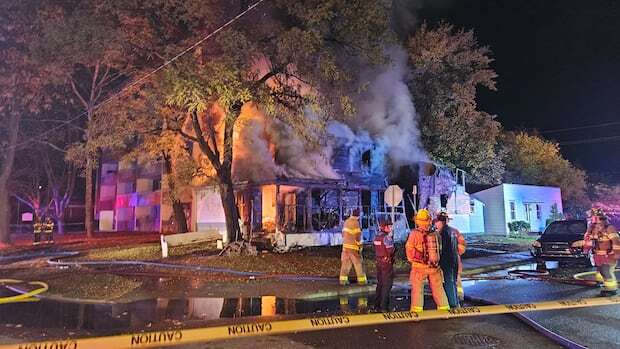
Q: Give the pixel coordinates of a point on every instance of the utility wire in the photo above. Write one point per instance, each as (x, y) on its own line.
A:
(581, 127)
(592, 140)
(148, 75)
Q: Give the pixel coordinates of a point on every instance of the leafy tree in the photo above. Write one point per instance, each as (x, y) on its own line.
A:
(90, 50)
(555, 215)
(21, 96)
(533, 160)
(286, 58)
(448, 67)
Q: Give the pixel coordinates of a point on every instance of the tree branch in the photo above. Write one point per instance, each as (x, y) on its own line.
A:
(204, 145)
(77, 93)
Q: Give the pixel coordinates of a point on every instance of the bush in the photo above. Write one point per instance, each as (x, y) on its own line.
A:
(521, 227)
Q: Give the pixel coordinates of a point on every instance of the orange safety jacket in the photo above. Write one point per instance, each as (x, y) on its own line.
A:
(352, 235)
(604, 242)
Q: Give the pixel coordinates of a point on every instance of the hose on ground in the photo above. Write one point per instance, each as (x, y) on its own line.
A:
(23, 297)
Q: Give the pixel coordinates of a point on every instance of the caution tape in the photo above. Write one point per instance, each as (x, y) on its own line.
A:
(250, 329)
(26, 296)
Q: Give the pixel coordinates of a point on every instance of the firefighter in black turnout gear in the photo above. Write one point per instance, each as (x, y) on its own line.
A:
(384, 256)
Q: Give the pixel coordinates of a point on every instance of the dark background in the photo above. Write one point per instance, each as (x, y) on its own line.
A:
(559, 67)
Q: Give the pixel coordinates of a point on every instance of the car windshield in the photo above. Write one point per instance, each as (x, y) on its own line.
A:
(578, 227)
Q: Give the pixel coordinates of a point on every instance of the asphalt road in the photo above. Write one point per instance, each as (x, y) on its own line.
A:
(593, 327)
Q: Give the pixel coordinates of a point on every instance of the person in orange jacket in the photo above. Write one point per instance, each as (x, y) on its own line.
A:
(423, 251)
(351, 255)
(603, 240)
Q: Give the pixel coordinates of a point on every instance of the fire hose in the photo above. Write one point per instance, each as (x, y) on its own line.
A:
(26, 296)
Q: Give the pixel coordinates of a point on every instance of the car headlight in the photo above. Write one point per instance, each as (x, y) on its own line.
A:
(577, 244)
(536, 244)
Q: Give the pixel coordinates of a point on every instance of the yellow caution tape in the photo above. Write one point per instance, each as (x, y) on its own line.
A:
(250, 329)
(24, 297)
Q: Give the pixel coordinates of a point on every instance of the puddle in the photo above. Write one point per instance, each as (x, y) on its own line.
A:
(164, 312)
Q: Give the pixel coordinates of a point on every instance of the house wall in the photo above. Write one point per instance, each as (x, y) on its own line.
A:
(128, 196)
(476, 219)
(533, 196)
(494, 211)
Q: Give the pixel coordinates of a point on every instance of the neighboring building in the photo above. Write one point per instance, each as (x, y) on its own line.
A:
(128, 196)
(507, 203)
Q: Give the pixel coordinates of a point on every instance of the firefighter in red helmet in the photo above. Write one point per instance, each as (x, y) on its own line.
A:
(384, 257)
(602, 239)
(423, 250)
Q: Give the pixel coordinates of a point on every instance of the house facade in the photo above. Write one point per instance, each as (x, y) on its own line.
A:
(508, 203)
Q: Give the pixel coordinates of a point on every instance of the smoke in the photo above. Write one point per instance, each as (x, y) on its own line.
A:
(253, 158)
(266, 149)
(387, 112)
(300, 158)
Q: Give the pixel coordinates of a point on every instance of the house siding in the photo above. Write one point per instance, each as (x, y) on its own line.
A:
(494, 210)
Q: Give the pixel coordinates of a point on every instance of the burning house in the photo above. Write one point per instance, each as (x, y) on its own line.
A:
(290, 192)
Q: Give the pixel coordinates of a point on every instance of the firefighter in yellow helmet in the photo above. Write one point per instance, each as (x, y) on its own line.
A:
(423, 250)
(352, 249)
(603, 240)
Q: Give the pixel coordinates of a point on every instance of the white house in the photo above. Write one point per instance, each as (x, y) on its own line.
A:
(507, 203)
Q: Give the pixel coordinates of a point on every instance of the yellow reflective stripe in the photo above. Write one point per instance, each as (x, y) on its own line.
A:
(344, 278)
(351, 247)
(445, 307)
(362, 278)
(417, 309)
(352, 230)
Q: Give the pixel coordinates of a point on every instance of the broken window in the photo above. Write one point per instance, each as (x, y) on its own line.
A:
(325, 209)
(366, 160)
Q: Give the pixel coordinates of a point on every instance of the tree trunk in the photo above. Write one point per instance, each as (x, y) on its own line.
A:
(88, 199)
(227, 195)
(5, 214)
(60, 224)
(179, 217)
(178, 213)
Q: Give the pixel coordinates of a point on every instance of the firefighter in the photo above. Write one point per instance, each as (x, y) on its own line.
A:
(384, 257)
(352, 249)
(423, 248)
(452, 247)
(37, 227)
(48, 229)
(602, 239)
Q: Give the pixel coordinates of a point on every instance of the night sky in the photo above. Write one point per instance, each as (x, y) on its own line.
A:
(559, 67)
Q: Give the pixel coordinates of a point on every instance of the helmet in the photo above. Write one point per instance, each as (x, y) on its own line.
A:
(423, 218)
(597, 212)
(443, 216)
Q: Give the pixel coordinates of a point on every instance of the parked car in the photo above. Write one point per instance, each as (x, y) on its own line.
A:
(561, 241)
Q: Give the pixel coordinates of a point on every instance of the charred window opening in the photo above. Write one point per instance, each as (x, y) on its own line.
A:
(366, 209)
(443, 198)
(325, 209)
(366, 160)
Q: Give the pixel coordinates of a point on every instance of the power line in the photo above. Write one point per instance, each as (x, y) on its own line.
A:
(148, 75)
(581, 127)
(592, 140)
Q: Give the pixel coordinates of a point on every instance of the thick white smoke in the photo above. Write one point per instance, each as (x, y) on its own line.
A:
(386, 118)
(387, 112)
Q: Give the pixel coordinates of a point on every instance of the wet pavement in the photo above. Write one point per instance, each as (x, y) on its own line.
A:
(595, 327)
(47, 319)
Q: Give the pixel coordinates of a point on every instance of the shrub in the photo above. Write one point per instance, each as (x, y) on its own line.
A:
(519, 227)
